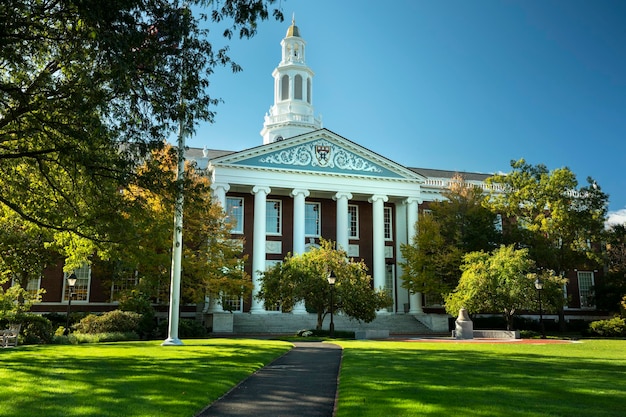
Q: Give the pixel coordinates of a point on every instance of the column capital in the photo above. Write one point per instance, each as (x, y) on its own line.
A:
(377, 197)
(410, 200)
(261, 189)
(300, 191)
(342, 194)
(220, 185)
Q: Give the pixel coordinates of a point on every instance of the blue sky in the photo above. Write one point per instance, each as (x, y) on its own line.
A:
(454, 84)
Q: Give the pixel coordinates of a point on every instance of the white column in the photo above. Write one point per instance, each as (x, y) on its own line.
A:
(378, 239)
(415, 299)
(299, 196)
(342, 219)
(219, 193)
(258, 244)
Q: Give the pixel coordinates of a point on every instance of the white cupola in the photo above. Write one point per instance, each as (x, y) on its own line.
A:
(292, 111)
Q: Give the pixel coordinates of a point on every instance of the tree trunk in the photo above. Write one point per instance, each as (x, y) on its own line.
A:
(509, 321)
(562, 325)
(320, 320)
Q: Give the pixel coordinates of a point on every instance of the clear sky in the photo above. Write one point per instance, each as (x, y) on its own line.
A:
(452, 84)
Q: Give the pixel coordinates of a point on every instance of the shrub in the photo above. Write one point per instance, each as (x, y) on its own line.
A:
(35, 329)
(110, 322)
(139, 302)
(614, 327)
(338, 334)
(78, 338)
(187, 329)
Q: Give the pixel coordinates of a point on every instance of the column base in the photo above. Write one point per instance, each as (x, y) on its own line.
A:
(172, 342)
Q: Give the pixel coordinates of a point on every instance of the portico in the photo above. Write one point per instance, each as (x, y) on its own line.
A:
(307, 183)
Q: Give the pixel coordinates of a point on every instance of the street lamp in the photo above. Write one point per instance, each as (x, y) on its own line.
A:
(539, 287)
(331, 280)
(71, 282)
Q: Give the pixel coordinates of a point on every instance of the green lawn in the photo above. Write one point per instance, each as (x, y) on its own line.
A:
(126, 379)
(377, 378)
(471, 379)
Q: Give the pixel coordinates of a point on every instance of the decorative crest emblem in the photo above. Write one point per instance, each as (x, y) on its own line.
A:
(322, 153)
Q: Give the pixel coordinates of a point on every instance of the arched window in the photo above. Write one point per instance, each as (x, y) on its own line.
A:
(284, 88)
(297, 87)
(308, 90)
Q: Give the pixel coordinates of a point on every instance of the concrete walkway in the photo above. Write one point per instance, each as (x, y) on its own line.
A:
(301, 383)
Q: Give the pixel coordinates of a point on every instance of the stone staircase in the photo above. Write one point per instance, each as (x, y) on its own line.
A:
(277, 323)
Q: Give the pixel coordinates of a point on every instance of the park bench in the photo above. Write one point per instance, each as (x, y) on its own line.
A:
(10, 335)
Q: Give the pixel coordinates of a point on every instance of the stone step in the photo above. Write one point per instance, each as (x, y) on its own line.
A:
(278, 323)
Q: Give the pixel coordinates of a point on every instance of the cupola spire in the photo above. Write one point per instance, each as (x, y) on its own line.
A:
(292, 112)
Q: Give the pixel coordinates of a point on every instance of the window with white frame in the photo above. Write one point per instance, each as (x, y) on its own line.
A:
(353, 221)
(273, 211)
(270, 263)
(126, 281)
(388, 225)
(234, 210)
(585, 289)
(232, 303)
(312, 219)
(389, 284)
(81, 289)
(33, 285)
(433, 299)
(498, 223)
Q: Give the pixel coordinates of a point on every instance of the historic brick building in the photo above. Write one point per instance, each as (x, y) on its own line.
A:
(303, 183)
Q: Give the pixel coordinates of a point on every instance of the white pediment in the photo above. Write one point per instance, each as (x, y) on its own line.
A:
(322, 152)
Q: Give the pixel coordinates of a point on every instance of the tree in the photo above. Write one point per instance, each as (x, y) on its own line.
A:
(499, 282)
(88, 88)
(455, 226)
(552, 216)
(612, 290)
(303, 277)
(559, 222)
(24, 249)
(212, 262)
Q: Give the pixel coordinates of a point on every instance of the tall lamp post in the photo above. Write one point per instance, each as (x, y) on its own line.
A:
(71, 282)
(539, 287)
(331, 280)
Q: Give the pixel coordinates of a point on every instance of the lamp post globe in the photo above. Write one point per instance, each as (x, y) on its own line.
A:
(71, 283)
(539, 287)
(331, 281)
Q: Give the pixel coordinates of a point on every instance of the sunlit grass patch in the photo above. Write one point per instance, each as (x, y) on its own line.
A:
(127, 378)
(464, 379)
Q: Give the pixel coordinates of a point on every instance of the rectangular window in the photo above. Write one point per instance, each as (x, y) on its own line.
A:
(81, 289)
(498, 223)
(432, 299)
(273, 217)
(585, 289)
(389, 284)
(388, 224)
(312, 219)
(234, 211)
(33, 285)
(232, 303)
(353, 222)
(120, 284)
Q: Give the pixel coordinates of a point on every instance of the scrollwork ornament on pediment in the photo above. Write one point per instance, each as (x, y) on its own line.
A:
(321, 154)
